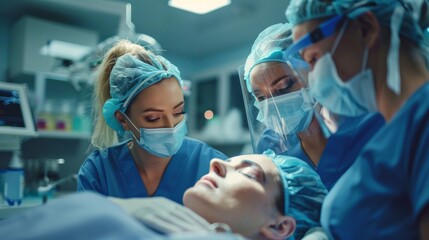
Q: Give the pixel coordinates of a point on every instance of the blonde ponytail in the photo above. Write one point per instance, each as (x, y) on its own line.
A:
(104, 136)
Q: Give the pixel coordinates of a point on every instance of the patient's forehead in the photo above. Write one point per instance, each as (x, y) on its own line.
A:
(264, 161)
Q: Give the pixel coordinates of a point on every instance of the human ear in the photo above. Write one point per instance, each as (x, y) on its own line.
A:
(121, 119)
(369, 28)
(282, 228)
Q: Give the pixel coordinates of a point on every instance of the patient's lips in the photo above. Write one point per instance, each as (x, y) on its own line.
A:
(208, 181)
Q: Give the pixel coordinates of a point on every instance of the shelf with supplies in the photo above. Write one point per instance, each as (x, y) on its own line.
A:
(58, 104)
(60, 109)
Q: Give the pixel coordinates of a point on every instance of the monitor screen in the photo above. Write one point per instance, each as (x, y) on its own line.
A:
(16, 117)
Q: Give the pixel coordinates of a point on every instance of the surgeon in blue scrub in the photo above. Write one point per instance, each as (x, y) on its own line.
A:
(280, 105)
(374, 56)
(140, 92)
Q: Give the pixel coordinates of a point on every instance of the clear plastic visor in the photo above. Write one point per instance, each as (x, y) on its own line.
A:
(279, 108)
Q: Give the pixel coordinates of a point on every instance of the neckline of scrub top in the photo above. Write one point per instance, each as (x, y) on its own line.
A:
(346, 144)
(295, 149)
(328, 165)
(410, 100)
(167, 184)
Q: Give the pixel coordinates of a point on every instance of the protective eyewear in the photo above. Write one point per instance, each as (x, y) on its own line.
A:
(326, 29)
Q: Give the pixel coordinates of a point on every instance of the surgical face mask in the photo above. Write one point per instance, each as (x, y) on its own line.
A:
(161, 142)
(352, 98)
(288, 113)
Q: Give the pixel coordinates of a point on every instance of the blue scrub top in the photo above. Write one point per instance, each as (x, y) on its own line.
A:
(112, 171)
(383, 193)
(341, 149)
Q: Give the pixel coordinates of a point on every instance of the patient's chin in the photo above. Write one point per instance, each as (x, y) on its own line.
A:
(198, 191)
(193, 197)
(198, 201)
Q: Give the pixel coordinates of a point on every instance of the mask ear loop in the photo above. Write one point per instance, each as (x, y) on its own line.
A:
(129, 120)
(365, 59)
(340, 36)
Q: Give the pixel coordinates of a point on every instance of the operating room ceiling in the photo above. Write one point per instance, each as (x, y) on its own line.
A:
(179, 32)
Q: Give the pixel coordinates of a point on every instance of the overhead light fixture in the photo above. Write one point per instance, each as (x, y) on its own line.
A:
(64, 50)
(199, 6)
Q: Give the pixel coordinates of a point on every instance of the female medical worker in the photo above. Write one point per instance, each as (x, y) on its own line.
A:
(140, 92)
(361, 53)
(257, 196)
(279, 90)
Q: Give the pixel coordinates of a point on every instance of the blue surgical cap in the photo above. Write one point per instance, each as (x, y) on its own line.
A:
(269, 46)
(404, 17)
(303, 189)
(129, 76)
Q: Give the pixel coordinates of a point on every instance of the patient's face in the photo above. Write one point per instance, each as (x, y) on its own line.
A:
(240, 192)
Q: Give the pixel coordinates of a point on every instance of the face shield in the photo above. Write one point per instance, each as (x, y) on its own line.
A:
(278, 105)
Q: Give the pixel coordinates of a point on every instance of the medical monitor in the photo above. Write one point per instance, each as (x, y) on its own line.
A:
(16, 118)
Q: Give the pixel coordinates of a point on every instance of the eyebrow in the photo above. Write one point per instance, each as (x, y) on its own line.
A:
(160, 110)
(178, 105)
(279, 79)
(253, 164)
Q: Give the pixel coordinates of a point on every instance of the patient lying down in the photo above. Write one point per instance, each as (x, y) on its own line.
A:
(248, 196)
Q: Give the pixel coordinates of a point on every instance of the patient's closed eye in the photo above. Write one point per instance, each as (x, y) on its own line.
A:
(249, 172)
(252, 170)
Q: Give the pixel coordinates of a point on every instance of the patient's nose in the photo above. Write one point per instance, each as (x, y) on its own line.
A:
(218, 166)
